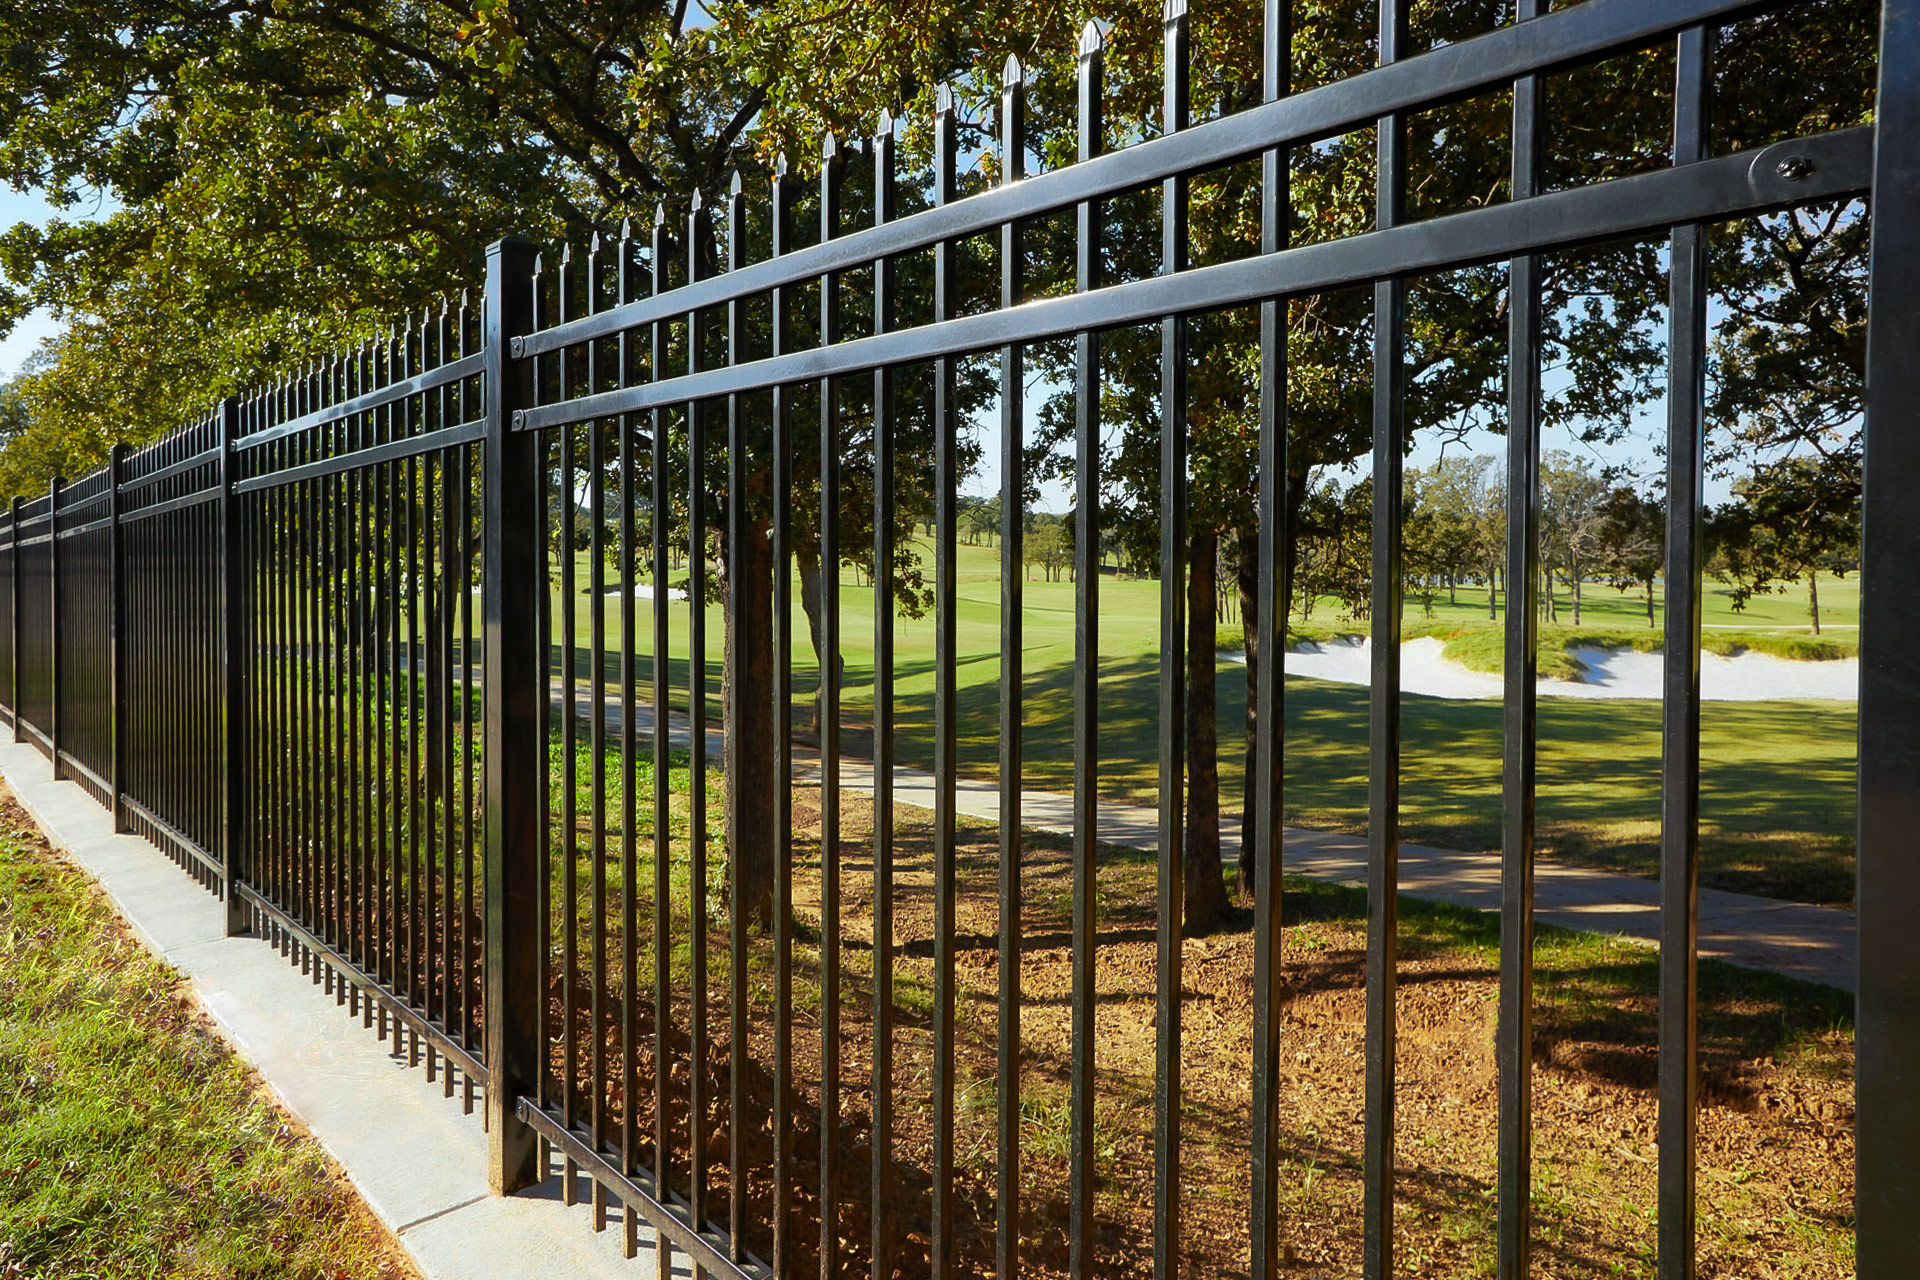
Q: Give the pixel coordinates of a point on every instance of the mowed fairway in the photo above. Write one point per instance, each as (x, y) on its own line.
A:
(1777, 797)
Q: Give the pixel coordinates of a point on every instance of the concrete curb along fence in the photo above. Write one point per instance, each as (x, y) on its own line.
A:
(418, 1162)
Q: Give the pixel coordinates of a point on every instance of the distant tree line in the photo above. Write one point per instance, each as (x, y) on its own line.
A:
(1781, 525)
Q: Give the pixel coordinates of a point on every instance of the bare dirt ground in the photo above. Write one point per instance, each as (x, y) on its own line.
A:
(1775, 1125)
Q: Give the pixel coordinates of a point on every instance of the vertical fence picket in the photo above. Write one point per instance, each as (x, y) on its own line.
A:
(1680, 710)
(781, 214)
(1086, 674)
(883, 1210)
(1171, 881)
(1520, 727)
(832, 169)
(1383, 770)
(1268, 646)
(1013, 510)
(660, 518)
(946, 482)
(699, 245)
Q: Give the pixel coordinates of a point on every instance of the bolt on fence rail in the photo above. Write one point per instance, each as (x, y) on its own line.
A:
(256, 641)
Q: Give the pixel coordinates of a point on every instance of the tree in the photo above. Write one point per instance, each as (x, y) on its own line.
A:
(1045, 544)
(1633, 543)
(1451, 500)
(1572, 521)
(1789, 521)
(980, 518)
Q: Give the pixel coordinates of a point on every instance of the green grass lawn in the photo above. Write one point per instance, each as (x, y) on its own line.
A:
(1777, 809)
(132, 1141)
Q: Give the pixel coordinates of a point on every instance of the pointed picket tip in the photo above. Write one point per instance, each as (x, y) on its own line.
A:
(626, 228)
(698, 202)
(1090, 39)
(566, 255)
(829, 147)
(738, 184)
(885, 127)
(780, 166)
(943, 99)
(1012, 74)
(1173, 10)
(595, 246)
(539, 263)
(659, 214)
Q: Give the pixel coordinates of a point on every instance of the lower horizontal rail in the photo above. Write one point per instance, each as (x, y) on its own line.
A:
(37, 736)
(671, 1218)
(103, 790)
(173, 834)
(370, 987)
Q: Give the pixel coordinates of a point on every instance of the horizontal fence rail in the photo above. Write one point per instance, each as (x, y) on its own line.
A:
(408, 658)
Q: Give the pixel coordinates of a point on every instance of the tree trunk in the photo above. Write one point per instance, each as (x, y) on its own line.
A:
(747, 694)
(1205, 888)
(1247, 570)
(1813, 599)
(1573, 577)
(807, 555)
(1493, 594)
(1650, 620)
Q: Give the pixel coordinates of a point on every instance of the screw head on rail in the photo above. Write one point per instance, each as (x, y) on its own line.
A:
(519, 347)
(519, 419)
(1794, 168)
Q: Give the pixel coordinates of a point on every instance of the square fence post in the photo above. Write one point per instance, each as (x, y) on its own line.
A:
(13, 693)
(1887, 1056)
(233, 704)
(513, 750)
(53, 622)
(116, 635)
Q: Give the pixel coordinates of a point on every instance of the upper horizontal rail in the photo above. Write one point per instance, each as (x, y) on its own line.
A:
(172, 469)
(432, 379)
(1728, 186)
(449, 437)
(1563, 38)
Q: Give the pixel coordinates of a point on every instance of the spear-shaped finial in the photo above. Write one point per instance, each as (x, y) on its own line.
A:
(1090, 39)
(1012, 73)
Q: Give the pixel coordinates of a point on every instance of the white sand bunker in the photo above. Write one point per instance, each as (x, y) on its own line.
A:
(1611, 673)
(642, 591)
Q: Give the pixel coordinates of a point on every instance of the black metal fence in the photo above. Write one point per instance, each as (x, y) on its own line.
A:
(257, 639)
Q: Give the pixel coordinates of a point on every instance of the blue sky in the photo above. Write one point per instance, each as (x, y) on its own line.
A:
(16, 207)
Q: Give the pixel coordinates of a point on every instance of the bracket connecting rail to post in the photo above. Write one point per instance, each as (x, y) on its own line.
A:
(512, 581)
(234, 614)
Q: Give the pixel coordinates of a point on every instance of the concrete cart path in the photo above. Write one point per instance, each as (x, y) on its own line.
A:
(417, 1161)
(1798, 939)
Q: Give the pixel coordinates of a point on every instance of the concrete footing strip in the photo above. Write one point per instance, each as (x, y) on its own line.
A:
(419, 1163)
